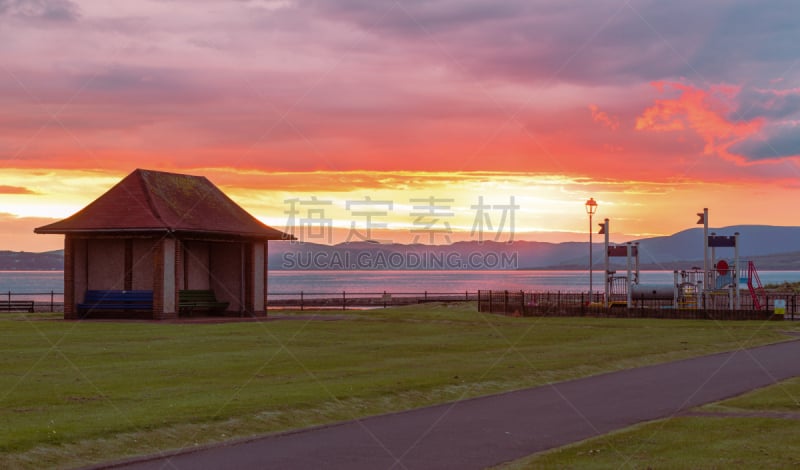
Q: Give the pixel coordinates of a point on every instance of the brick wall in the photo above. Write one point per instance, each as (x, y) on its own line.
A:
(158, 280)
(70, 312)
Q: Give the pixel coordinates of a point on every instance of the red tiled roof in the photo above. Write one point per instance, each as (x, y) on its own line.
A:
(154, 201)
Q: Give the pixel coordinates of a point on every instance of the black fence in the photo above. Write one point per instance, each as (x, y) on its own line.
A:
(489, 301)
(344, 300)
(54, 301)
(39, 301)
(520, 303)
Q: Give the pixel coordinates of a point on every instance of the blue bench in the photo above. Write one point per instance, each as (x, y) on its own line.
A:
(105, 300)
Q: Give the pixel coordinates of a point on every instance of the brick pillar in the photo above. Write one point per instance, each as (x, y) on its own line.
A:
(180, 271)
(247, 270)
(256, 278)
(70, 312)
(266, 271)
(164, 288)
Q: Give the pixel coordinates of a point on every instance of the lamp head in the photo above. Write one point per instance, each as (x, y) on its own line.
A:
(591, 206)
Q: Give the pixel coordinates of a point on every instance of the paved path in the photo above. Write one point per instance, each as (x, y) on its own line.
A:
(486, 431)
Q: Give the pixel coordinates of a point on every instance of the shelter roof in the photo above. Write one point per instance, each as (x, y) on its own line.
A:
(156, 201)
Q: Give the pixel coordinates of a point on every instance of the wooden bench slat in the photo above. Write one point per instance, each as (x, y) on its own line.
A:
(201, 300)
(100, 300)
(17, 305)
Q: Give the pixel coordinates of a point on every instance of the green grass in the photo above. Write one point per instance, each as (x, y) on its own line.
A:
(74, 393)
(788, 287)
(742, 433)
(681, 443)
(782, 397)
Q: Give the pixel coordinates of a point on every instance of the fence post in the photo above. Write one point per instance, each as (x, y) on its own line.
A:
(583, 305)
(522, 302)
(505, 302)
(301, 300)
(384, 299)
(344, 300)
(491, 303)
(52, 305)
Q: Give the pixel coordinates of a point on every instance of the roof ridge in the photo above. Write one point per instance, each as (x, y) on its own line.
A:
(146, 189)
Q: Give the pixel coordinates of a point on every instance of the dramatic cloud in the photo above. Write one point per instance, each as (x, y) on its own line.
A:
(46, 10)
(703, 112)
(777, 141)
(422, 89)
(14, 190)
(603, 118)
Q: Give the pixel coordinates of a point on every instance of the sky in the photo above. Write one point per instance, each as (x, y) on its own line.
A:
(426, 120)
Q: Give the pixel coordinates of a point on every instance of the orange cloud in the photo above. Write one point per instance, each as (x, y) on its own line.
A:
(603, 118)
(15, 190)
(702, 111)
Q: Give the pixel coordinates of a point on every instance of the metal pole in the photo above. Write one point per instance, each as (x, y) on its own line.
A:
(735, 273)
(606, 276)
(705, 254)
(675, 285)
(591, 229)
(713, 275)
(628, 279)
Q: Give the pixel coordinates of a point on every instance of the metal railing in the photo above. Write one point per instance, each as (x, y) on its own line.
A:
(54, 301)
(344, 300)
(488, 301)
(524, 303)
(42, 300)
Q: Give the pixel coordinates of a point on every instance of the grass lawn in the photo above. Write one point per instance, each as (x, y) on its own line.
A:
(75, 393)
(742, 432)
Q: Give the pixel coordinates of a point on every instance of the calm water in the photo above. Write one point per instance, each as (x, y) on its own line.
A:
(395, 282)
(460, 281)
(32, 282)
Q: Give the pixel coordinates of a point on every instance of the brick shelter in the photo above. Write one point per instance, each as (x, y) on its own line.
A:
(165, 232)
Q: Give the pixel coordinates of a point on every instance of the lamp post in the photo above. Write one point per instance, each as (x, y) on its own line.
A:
(591, 208)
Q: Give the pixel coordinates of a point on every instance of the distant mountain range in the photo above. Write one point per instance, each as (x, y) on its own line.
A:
(769, 247)
(26, 261)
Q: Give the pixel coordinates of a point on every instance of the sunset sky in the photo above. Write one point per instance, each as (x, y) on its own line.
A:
(655, 109)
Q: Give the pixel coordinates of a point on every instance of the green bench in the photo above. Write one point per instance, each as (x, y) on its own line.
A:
(200, 300)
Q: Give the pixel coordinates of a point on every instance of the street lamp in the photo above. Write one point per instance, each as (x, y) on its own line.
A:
(591, 208)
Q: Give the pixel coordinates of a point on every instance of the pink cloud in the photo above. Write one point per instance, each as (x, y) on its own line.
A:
(704, 112)
(603, 118)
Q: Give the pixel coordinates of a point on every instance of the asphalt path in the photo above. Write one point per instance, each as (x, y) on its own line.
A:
(485, 431)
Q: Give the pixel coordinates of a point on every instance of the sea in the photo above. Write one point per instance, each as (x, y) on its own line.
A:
(38, 285)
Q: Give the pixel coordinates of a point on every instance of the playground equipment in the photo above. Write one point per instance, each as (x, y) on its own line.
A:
(716, 285)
